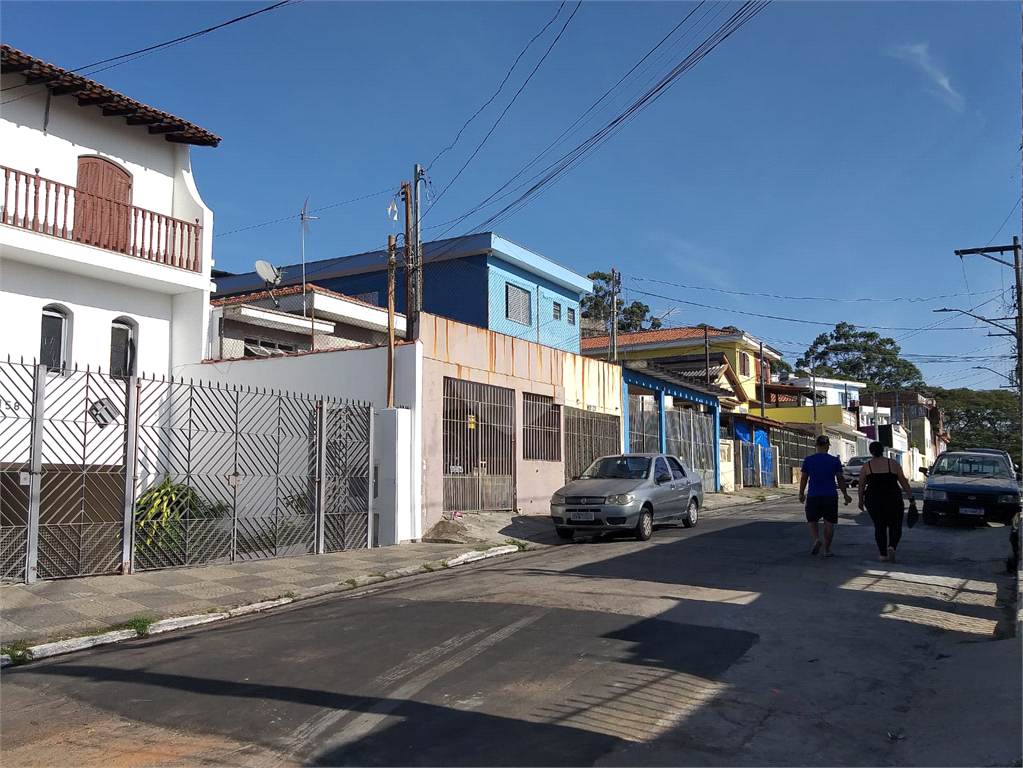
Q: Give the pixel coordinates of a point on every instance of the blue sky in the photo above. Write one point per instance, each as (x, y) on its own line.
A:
(830, 150)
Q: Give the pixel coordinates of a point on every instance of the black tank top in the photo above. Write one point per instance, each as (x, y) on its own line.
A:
(881, 487)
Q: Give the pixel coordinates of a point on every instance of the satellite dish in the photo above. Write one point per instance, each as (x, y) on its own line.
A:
(270, 274)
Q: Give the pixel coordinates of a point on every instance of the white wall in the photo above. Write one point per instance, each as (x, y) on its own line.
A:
(25, 289)
(72, 131)
(352, 374)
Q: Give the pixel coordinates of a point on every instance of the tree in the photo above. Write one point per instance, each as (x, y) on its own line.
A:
(597, 307)
(780, 366)
(860, 356)
(980, 418)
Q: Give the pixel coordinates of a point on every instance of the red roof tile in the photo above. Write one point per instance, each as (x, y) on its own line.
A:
(651, 337)
(114, 104)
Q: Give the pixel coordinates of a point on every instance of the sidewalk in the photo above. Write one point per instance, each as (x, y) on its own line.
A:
(52, 610)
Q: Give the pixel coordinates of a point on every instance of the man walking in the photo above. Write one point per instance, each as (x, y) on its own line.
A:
(821, 471)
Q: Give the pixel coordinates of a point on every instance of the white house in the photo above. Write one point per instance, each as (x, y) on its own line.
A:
(830, 391)
(105, 241)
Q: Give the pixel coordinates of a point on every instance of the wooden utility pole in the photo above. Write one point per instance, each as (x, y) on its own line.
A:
(390, 320)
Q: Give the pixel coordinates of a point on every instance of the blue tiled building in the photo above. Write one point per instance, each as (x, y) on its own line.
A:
(483, 280)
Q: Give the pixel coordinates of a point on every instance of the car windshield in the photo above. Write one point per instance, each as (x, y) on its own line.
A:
(855, 461)
(971, 466)
(621, 467)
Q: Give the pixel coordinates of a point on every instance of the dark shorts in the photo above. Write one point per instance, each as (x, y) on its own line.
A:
(822, 506)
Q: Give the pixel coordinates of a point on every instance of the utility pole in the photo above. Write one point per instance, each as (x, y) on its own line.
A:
(1018, 270)
(390, 320)
(406, 195)
(706, 354)
(763, 385)
(813, 384)
(615, 277)
(418, 175)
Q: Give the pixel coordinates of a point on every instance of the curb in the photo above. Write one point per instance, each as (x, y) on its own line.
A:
(60, 647)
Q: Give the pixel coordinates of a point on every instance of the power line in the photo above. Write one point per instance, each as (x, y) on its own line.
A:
(568, 131)
(802, 298)
(499, 88)
(314, 210)
(167, 44)
(510, 103)
(1004, 222)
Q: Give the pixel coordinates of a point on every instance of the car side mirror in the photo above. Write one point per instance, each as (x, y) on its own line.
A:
(925, 471)
(661, 479)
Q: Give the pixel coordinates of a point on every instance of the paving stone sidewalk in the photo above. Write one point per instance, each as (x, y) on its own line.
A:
(48, 610)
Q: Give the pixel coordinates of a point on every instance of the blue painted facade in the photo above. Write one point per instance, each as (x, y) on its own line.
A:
(543, 328)
(464, 279)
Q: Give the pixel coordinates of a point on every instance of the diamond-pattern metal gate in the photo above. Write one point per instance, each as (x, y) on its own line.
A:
(588, 436)
(16, 412)
(348, 435)
(479, 446)
(217, 474)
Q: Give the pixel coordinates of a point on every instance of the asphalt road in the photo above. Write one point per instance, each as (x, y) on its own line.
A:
(727, 644)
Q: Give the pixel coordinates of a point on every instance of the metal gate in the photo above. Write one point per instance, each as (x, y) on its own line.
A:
(644, 425)
(589, 436)
(757, 466)
(214, 474)
(348, 434)
(690, 436)
(479, 446)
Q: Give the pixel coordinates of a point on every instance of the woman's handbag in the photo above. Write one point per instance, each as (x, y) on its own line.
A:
(912, 515)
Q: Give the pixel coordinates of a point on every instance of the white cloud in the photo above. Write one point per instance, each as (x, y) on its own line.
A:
(920, 56)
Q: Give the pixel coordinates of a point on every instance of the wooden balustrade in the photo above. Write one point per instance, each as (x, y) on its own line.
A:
(42, 205)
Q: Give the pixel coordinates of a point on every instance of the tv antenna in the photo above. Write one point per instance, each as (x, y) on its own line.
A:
(304, 219)
(271, 277)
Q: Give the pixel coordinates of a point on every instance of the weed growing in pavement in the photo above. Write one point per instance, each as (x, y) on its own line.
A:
(483, 548)
(761, 496)
(428, 567)
(516, 543)
(19, 651)
(140, 624)
(376, 575)
(351, 582)
(290, 595)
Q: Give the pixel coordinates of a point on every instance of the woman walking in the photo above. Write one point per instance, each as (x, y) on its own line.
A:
(879, 491)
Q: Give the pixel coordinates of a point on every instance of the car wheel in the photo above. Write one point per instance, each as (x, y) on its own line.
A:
(645, 526)
(929, 518)
(566, 533)
(692, 514)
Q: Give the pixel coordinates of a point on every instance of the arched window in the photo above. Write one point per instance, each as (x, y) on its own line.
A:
(55, 342)
(123, 341)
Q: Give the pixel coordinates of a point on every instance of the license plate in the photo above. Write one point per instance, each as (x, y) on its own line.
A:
(971, 511)
(581, 514)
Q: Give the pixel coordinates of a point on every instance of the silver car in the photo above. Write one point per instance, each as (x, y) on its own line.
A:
(630, 492)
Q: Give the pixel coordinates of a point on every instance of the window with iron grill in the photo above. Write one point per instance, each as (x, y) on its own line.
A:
(571, 316)
(557, 311)
(541, 428)
(517, 304)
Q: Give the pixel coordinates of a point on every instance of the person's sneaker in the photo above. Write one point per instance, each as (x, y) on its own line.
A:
(891, 554)
(816, 547)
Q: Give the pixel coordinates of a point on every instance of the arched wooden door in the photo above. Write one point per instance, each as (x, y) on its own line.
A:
(103, 205)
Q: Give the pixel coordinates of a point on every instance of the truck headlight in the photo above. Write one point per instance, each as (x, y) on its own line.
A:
(932, 495)
(558, 498)
(1009, 498)
(621, 499)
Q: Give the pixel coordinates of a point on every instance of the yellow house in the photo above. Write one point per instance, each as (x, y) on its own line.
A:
(740, 349)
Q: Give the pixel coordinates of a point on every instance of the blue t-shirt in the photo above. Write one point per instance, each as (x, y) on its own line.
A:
(822, 468)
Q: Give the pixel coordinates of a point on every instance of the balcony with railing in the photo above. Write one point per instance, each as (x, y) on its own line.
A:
(41, 205)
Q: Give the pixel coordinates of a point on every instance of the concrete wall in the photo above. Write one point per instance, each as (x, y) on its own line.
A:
(465, 352)
(727, 467)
